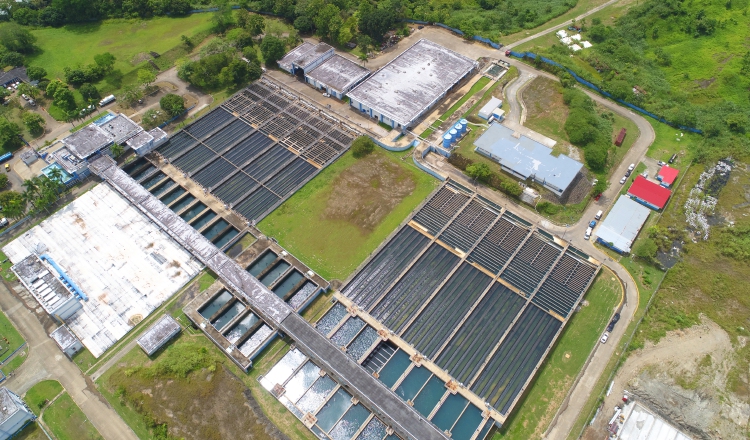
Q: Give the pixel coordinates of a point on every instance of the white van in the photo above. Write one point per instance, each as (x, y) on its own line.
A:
(587, 235)
(598, 215)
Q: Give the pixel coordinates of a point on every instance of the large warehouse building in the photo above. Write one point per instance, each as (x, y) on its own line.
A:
(411, 84)
(337, 76)
(526, 158)
(619, 230)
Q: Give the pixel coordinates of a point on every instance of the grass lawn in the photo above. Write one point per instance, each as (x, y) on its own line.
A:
(84, 359)
(5, 265)
(126, 39)
(565, 361)
(42, 393)
(32, 431)
(10, 340)
(67, 421)
(206, 280)
(479, 85)
(203, 378)
(671, 141)
(564, 19)
(335, 221)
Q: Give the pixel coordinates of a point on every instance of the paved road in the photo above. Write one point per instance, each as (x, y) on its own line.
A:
(46, 361)
(560, 26)
(574, 232)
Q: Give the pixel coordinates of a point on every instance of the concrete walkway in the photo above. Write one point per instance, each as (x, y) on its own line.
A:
(46, 361)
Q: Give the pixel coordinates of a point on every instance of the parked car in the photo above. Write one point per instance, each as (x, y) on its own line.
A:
(630, 168)
(7, 167)
(627, 173)
(594, 182)
(604, 338)
(612, 323)
(32, 102)
(598, 196)
(420, 27)
(645, 174)
(587, 234)
(622, 181)
(25, 96)
(592, 223)
(3, 222)
(673, 158)
(661, 163)
(598, 215)
(507, 53)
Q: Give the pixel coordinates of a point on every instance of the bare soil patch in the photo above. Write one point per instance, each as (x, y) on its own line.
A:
(367, 191)
(545, 110)
(683, 378)
(140, 57)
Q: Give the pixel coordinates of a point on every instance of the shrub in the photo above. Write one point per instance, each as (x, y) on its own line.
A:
(459, 161)
(646, 249)
(479, 171)
(172, 104)
(548, 208)
(362, 146)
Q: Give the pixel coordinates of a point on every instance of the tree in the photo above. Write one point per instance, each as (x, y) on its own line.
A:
(222, 18)
(64, 99)
(187, 41)
(28, 89)
(254, 71)
(89, 92)
(51, 16)
(172, 104)
(362, 146)
(130, 95)
(272, 50)
(36, 73)
(12, 59)
(479, 171)
(596, 157)
(250, 54)
(105, 62)
(375, 22)
(9, 135)
(26, 16)
(235, 74)
(328, 20)
(116, 150)
(53, 87)
(146, 77)
(16, 38)
(646, 249)
(34, 123)
(256, 24)
(4, 181)
(242, 17)
(13, 203)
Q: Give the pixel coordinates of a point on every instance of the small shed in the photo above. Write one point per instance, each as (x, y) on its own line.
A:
(14, 414)
(486, 111)
(158, 334)
(66, 340)
(667, 175)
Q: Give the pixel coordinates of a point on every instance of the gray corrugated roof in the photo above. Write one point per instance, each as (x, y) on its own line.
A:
(527, 157)
(623, 222)
(8, 405)
(158, 334)
(295, 53)
(338, 73)
(411, 82)
(63, 337)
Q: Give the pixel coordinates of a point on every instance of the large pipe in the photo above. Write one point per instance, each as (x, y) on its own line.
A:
(77, 290)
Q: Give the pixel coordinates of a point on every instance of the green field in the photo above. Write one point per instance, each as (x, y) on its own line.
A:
(67, 421)
(204, 376)
(38, 396)
(531, 417)
(127, 40)
(335, 245)
(10, 340)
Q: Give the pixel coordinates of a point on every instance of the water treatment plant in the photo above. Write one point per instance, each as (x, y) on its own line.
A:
(439, 332)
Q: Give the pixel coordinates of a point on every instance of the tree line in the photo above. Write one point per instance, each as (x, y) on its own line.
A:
(39, 195)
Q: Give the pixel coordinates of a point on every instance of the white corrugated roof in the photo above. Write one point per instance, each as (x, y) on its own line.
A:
(642, 424)
(488, 108)
(623, 222)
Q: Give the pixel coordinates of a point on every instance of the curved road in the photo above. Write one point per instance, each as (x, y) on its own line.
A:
(601, 354)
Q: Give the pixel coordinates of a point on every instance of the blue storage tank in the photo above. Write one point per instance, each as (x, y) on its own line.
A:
(454, 133)
(460, 128)
(465, 123)
(447, 141)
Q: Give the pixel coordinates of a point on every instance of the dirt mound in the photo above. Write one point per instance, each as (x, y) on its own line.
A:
(366, 192)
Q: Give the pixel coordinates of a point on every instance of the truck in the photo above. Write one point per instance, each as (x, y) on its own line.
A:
(106, 100)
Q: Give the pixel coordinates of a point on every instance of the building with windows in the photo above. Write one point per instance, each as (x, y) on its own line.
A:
(337, 76)
(14, 414)
(412, 84)
(305, 57)
(526, 158)
(620, 228)
(649, 193)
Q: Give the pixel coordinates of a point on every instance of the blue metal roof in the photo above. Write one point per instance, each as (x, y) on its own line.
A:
(527, 157)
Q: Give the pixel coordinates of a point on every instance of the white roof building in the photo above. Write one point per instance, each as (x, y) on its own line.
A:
(621, 226)
(408, 86)
(486, 111)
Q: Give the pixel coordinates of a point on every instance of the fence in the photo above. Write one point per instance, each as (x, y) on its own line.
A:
(457, 31)
(11, 355)
(597, 89)
(14, 226)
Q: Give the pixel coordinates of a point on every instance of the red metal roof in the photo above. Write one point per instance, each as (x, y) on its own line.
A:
(668, 174)
(649, 192)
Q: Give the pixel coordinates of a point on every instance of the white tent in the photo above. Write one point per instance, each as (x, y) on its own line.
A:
(566, 40)
(561, 34)
(576, 37)
(586, 44)
(575, 48)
